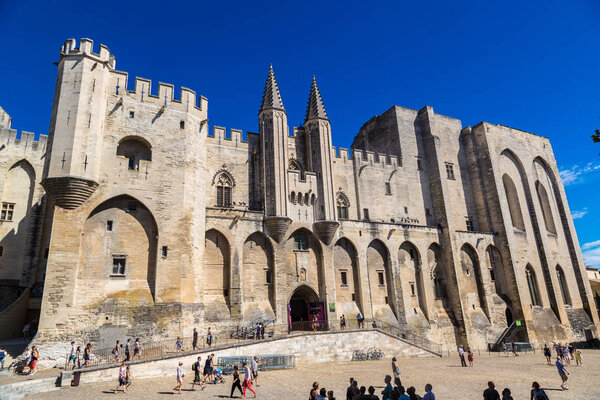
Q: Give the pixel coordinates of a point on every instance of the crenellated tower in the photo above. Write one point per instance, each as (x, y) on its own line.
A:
(72, 169)
(273, 129)
(318, 149)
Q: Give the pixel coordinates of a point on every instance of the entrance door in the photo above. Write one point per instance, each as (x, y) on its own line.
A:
(304, 307)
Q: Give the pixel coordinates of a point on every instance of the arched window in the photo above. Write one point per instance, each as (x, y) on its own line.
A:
(293, 197)
(293, 165)
(563, 285)
(532, 285)
(134, 149)
(342, 206)
(224, 185)
(300, 198)
(514, 206)
(546, 209)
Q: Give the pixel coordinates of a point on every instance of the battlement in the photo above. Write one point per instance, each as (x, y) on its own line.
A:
(341, 155)
(232, 138)
(86, 48)
(371, 158)
(187, 102)
(10, 139)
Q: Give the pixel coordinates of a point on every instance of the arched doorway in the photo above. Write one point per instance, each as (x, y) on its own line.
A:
(304, 304)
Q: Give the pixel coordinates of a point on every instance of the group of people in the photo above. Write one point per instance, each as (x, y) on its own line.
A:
(75, 356)
(212, 374)
(31, 359)
(396, 392)
(513, 349)
(135, 346)
(462, 353)
(566, 353)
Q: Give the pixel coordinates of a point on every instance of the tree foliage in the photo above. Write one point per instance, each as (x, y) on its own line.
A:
(596, 136)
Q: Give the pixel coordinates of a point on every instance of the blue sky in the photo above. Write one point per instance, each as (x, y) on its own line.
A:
(531, 65)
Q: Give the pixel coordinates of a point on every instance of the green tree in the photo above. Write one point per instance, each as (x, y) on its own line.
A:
(596, 136)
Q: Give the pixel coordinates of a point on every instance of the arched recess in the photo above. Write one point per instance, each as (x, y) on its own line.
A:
(303, 304)
(565, 222)
(532, 285)
(514, 204)
(16, 210)
(411, 276)
(496, 268)
(562, 283)
(217, 275)
(381, 282)
(304, 261)
(473, 278)
(437, 273)
(545, 206)
(342, 205)
(347, 277)
(119, 247)
(135, 149)
(258, 278)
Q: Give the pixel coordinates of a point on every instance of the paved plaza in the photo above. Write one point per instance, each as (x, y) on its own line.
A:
(449, 380)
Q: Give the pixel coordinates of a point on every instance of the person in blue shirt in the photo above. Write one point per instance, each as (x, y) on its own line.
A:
(562, 371)
(428, 393)
(387, 392)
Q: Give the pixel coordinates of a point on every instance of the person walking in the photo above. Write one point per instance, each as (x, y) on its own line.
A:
(247, 384)
(197, 368)
(137, 348)
(470, 357)
(121, 378)
(236, 382)
(209, 338)
(35, 356)
(208, 368)
(115, 350)
(504, 349)
(128, 350)
(128, 378)
(343, 322)
(179, 344)
(262, 330)
(491, 393)
(547, 354)
(537, 393)
(254, 364)
(257, 333)
(87, 354)
(180, 376)
(396, 372)
(562, 372)
(578, 358)
(514, 349)
(71, 358)
(195, 339)
(77, 357)
(461, 354)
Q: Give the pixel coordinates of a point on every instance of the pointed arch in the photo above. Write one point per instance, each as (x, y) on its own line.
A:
(347, 276)
(545, 206)
(562, 283)
(411, 276)
(134, 149)
(514, 205)
(304, 260)
(217, 272)
(342, 204)
(224, 183)
(294, 165)
(381, 280)
(258, 281)
(120, 239)
(473, 276)
(532, 284)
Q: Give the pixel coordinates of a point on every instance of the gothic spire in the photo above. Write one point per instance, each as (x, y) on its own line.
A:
(315, 108)
(271, 96)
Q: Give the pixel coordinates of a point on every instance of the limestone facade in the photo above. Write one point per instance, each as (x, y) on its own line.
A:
(150, 224)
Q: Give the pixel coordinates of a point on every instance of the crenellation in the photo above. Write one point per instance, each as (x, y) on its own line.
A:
(220, 228)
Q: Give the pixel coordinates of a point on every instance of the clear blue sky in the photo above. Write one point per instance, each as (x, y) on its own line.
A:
(532, 65)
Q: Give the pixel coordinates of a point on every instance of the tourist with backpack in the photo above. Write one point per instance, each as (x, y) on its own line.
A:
(197, 368)
(115, 350)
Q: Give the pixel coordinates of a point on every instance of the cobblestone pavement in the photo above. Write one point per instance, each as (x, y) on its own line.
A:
(449, 380)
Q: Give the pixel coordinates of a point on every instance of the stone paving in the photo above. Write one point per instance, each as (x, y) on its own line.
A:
(449, 380)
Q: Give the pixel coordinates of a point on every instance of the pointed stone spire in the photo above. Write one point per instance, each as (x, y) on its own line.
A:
(271, 96)
(315, 108)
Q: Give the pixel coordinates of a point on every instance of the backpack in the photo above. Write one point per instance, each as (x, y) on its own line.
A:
(194, 367)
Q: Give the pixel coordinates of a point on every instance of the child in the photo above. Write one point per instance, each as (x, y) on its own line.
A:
(137, 349)
(128, 378)
(179, 344)
(122, 378)
(470, 357)
(180, 377)
(34, 359)
(506, 394)
(27, 359)
(578, 358)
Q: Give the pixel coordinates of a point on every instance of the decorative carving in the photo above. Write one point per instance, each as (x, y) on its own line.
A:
(277, 227)
(223, 175)
(69, 192)
(326, 230)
